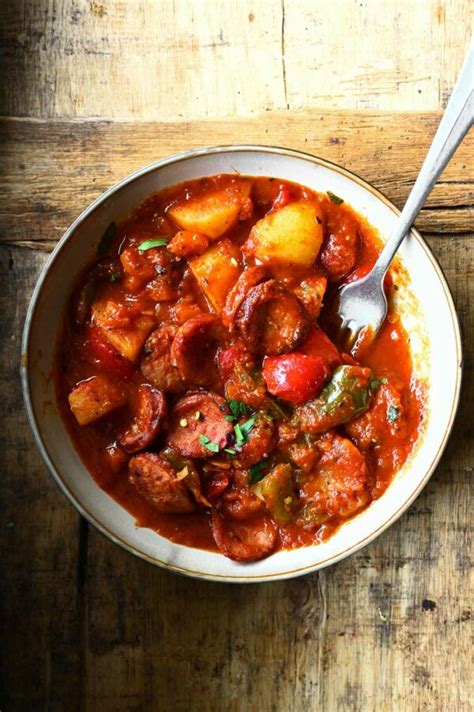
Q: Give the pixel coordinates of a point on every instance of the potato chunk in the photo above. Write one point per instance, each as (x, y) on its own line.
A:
(210, 215)
(291, 235)
(216, 272)
(125, 333)
(94, 398)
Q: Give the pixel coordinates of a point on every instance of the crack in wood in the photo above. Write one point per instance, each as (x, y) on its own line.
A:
(283, 58)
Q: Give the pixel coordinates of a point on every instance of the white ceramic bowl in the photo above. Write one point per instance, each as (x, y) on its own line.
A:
(434, 335)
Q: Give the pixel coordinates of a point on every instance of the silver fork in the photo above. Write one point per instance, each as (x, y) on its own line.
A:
(362, 305)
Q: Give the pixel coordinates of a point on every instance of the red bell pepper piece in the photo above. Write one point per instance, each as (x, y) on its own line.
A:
(295, 377)
(318, 344)
(106, 356)
(282, 199)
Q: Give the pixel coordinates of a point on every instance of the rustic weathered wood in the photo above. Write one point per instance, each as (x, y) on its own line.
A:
(75, 162)
(144, 59)
(89, 627)
(84, 625)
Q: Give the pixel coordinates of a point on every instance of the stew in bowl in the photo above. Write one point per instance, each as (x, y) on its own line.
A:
(199, 381)
(175, 302)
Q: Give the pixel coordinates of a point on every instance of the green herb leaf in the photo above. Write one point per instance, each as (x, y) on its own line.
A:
(206, 442)
(107, 239)
(149, 244)
(230, 451)
(257, 472)
(246, 428)
(238, 409)
(392, 414)
(115, 277)
(229, 418)
(239, 437)
(334, 198)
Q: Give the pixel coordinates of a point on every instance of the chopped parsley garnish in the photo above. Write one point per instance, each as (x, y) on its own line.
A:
(257, 472)
(392, 414)
(115, 277)
(149, 244)
(107, 239)
(243, 431)
(239, 436)
(238, 410)
(247, 427)
(230, 451)
(206, 442)
(334, 198)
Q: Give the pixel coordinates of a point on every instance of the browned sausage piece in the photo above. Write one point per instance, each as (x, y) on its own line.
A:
(271, 319)
(260, 442)
(337, 487)
(192, 481)
(149, 412)
(156, 366)
(157, 482)
(249, 278)
(238, 501)
(247, 540)
(339, 251)
(194, 348)
(197, 415)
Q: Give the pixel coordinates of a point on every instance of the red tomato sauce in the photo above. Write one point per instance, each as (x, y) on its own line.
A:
(176, 318)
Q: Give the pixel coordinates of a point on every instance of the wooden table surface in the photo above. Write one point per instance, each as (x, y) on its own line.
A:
(93, 89)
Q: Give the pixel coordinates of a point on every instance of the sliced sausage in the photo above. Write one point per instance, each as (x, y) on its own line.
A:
(216, 484)
(248, 540)
(194, 348)
(248, 279)
(199, 415)
(337, 487)
(239, 502)
(157, 482)
(156, 365)
(339, 251)
(271, 320)
(260, 442)
(149, 412)
(192, 481)
(311, 293)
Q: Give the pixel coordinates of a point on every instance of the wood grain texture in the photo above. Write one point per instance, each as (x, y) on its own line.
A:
(85, 626)
(75, 161)
(88, 627)
(149, 59)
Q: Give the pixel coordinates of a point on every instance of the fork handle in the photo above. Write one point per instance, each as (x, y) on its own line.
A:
(455, 123)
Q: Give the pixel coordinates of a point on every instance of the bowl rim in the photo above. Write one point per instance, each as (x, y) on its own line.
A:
(26, 361)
